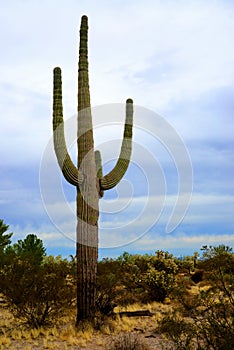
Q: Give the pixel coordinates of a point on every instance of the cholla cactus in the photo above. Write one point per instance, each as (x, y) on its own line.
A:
(87, 176)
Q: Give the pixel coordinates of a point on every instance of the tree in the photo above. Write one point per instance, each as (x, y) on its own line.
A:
(214, 252)
(5, 240)
(30, 249)
(87, 175)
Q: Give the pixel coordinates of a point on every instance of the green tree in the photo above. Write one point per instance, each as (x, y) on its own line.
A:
(30, 249)
(5, 238)
(5, 241)
(214, 252)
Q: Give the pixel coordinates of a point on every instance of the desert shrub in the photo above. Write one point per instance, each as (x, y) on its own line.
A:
(180, 332)
(108, 280)
(105, 303)
(137, 278)
(209, 314)
(108, 275)
(109, 272)
(218, 264)
(184, 295)
(133, 266)
(119, 281)
(209, 326)
(187, 264)
(159, 279)
(147, 277)
(158, 284)
(217, 301)
(36, 294)
(127, 341)
(215, 321)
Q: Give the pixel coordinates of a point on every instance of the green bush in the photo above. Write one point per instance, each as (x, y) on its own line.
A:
(37, 294)
(158, 284)
(136, 278)
(108, 278)
(159, 279)
(205, 321)
(209, 326)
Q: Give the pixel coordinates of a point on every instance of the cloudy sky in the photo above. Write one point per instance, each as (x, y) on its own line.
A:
(175, 59)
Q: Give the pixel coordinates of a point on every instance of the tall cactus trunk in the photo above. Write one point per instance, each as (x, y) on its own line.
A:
(87, 176)
(87, 195)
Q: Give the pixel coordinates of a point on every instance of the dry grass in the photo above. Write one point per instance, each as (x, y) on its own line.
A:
(64, 336)
(127, 341)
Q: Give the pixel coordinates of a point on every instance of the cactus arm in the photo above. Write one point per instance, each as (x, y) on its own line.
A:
(115, 175)
(98, 162)
(69, 170)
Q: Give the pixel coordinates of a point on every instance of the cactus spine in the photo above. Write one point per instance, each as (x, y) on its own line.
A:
(87, 176)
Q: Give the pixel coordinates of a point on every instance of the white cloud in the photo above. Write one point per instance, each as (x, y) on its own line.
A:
(190, 242)
(163, 54)
(177, 51)
(211, 210)
(132, 232)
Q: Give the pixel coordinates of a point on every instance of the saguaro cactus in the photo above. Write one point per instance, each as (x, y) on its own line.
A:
(87, 176)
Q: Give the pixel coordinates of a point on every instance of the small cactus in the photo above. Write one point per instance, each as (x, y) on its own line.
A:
(87, 176)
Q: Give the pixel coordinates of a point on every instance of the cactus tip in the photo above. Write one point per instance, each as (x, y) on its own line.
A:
(129, 100)
(84, 20)
(57, 70)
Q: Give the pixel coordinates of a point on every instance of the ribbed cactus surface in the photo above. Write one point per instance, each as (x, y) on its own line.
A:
(87, 176)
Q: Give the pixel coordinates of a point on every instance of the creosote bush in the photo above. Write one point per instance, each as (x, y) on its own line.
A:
(37, 294)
